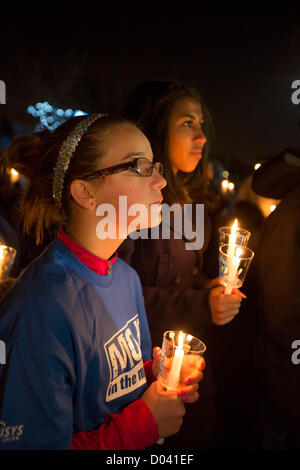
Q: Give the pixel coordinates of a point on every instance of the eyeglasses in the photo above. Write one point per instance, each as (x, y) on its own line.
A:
(141, 166)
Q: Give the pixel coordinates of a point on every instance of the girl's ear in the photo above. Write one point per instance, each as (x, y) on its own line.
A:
(82, 193)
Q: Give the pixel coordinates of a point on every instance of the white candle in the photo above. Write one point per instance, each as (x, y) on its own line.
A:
(231, 248)
(232, 270)
(177, 362)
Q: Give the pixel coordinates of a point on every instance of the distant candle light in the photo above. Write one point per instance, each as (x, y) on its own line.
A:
(14, 175)
(257, 166)
(273, 207)
(224, 185)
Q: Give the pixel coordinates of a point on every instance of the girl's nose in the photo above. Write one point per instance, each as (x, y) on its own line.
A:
(199, 135)
(158, 180)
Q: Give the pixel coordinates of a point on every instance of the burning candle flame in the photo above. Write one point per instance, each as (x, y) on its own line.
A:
(234, 226)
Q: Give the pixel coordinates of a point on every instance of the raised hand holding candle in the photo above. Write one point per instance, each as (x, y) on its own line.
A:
(181, 354)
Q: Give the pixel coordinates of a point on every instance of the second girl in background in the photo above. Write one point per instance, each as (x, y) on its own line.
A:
(177, 293)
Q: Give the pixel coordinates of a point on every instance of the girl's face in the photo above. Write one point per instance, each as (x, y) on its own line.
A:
(186, 137)
(125, 144)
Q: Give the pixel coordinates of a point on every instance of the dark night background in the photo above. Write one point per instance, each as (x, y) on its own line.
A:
(243, 66)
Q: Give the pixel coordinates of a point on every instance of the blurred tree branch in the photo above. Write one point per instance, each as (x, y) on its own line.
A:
(57, 78)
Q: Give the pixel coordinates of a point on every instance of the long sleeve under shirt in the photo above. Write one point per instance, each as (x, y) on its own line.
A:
(75, 344)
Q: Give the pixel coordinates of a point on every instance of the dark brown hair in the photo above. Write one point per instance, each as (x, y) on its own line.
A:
(35, 157)
(149, 106)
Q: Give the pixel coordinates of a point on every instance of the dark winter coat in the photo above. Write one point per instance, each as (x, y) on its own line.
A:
(279, 283)
(173, 282)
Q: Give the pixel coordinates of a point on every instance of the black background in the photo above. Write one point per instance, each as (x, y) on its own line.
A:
(244, 67)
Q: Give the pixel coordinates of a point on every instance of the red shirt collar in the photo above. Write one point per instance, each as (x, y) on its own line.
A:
(96, 264)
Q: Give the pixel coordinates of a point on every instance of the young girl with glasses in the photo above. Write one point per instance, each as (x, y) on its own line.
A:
(78, 372)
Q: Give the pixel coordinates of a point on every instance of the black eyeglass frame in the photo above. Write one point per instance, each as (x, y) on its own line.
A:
(125, 166)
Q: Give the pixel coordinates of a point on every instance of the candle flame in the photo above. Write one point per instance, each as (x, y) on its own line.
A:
(14, 172)
(272, 207)
(234, 226)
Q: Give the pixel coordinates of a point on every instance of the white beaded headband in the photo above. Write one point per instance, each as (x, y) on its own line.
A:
(66, 152)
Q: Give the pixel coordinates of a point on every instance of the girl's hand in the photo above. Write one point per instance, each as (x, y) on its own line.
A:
(166, 407)
(224, 307)
(189, 393)
(157, 354)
